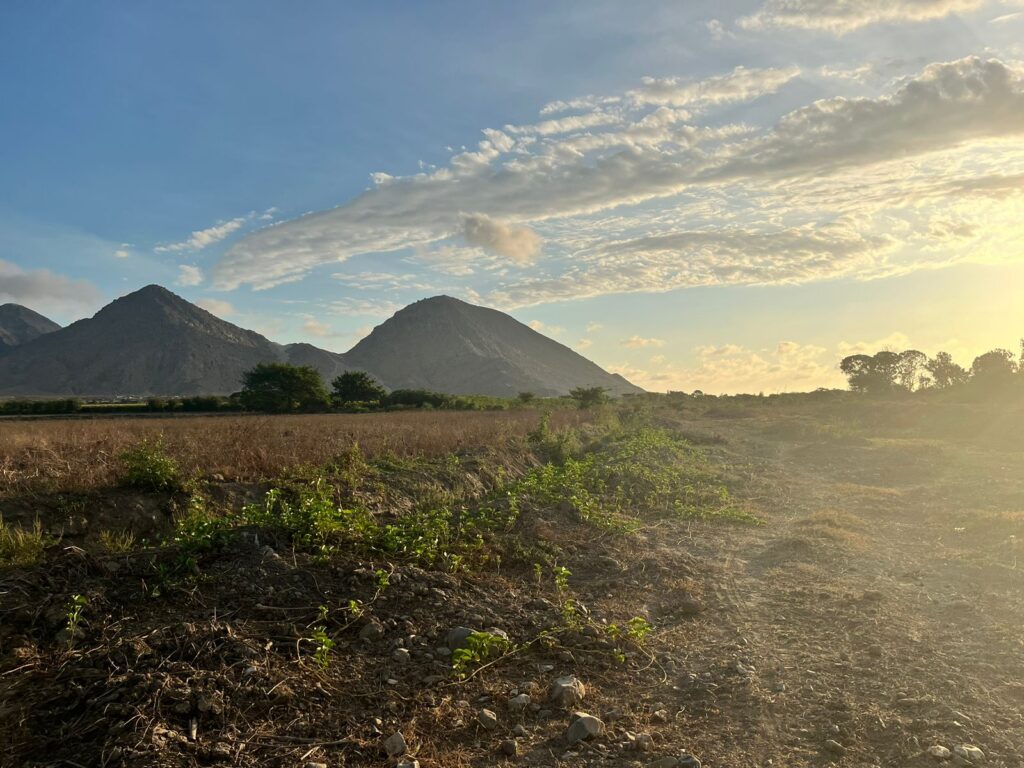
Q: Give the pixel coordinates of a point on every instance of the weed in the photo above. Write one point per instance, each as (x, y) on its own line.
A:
(638, 629)
(147, 466)
(324, 644)
(20, 547)
(479, 648)
(117, 543)
(73, 616)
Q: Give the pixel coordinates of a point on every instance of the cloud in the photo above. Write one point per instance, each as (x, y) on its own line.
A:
(217, 307)
(314, 327)
(352, 307)
(519, 244)
(842, 16)
(202, 238)
(593, 327)
(549, 330)
(45, 291)
(740, 85)
(122, 253)
(189, 275)
(637, 342)
(584, 344)
(896, 341)
(662, 200)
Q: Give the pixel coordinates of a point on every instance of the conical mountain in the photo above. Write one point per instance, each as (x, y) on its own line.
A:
(448, 345)
(150, 342)
(20, 324)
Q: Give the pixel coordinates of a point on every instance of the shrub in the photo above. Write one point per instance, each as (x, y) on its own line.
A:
(20, 547)
(148, 467)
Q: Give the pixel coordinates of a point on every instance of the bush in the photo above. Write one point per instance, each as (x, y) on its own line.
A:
(416, 398)
(20, 547)
(148, 467)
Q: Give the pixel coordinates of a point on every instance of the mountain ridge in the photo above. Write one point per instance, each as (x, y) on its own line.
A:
(19, 324)
(154, 342)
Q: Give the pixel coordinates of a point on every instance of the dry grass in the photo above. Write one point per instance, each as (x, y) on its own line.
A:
(77, 454)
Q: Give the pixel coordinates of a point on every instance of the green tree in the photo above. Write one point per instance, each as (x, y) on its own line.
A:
(526, 397)
(993, 370)
(356, 387)
(589, 397)
(872, 374)
(910, 369)
(944, 372)
(283, 388)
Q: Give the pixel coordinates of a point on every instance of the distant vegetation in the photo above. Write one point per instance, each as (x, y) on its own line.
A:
(887, 372)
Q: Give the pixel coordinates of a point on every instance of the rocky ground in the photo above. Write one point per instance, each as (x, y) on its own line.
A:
(873, 620)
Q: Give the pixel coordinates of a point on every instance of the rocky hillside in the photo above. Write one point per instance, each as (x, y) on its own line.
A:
(150, 342)
(20, 324)
(450, 346)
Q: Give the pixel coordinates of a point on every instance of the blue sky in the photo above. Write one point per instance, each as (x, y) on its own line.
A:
(726, 196)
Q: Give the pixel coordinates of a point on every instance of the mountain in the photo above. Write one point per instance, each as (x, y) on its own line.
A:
(150, 342)
(447, 345)
(20, 324)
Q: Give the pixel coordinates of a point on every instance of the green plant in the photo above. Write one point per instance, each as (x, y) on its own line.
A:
(148, 467)
(323, 642)
(21, 547)
(73, 616)
(638, 629)
(477, 650)
(117, 542)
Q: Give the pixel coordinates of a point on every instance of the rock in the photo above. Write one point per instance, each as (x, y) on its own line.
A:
(408, 763)
(687, 760)
(643, 742)
(314, 765)
(519, 703)
(567, 691)
(612, 715)
(583, 727)
(457, 637)
(939, 752)
(401, 655)
(660, 716)
(833, 746)
(372, 631)
(509, 747)
(394, 744)
(665, 762)
(969, 752)
(487, 719)
(519, 730)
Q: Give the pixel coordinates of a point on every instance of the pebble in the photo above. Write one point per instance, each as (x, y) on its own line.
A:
(833, 746)
(401, 655)
(519, 703)
(371, 631)
(567, 691)
(519, 730)
(660, 716)
(969, 752)
(408, 763)
(583, 727)
(315, 765)
(643, 742)
(395, 745)
(939, 752)
(510, 747)
(487, 719)
(457, 637)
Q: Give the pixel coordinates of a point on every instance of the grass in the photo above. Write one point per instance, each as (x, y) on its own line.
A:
(74, 455)
(20, 547)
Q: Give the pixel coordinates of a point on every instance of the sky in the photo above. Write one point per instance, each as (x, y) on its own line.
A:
(725, 196)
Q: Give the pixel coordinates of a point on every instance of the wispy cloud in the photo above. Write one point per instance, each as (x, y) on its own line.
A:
(45, 291)
(201, 238)
(638, 342)
(189, 275)
(844, 16)
(217, 307)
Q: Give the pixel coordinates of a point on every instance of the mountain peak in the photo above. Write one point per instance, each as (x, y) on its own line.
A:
(20, 324)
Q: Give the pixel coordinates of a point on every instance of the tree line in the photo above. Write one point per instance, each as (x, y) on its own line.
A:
(911, 370)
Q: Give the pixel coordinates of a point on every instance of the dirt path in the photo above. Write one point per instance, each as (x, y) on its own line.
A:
(878, 614)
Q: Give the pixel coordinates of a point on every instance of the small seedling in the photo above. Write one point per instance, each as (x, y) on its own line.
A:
(638, 629)
(479, 648)
(73, 614)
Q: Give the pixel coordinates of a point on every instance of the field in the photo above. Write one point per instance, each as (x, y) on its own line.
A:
(798, 581)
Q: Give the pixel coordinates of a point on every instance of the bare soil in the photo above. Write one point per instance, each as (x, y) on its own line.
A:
(878, 612)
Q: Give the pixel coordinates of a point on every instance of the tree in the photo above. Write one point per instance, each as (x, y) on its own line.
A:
(872, 374)
(588, 397)
(909, 369)
(993, 370)
(944, 372)
(356, 387)
(526, 397)
(283, 388)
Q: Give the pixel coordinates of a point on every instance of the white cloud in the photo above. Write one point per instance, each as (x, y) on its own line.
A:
(548, 330)
(217, 307)
(843, 16)
(520, 244)
(352, 307)
(637, 342)
(189, 275)
(201, 238)
(314, 327)
(742, 84)
(896, 341)
(661, 202)
(584, 344)
(45, 291)
(122, 252)
(593, 327)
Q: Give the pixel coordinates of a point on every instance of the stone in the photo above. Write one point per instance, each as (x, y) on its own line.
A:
(509, 747)
(519, 703)
(939, 752)
(660, 716)
(833, 746)
(583, 727)
(664, 762)
(643, 742)
(408, 762)
(567, 691)
(457, 637)
(401, 655)
(314, 765)
(487, 719)
(687, 760)
(969, 752)
(519, 730)
(395, 745)
(372, 631)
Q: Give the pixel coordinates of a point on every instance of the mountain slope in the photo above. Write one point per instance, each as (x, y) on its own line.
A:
(19, 325)
(150, 342)
(450, 346)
